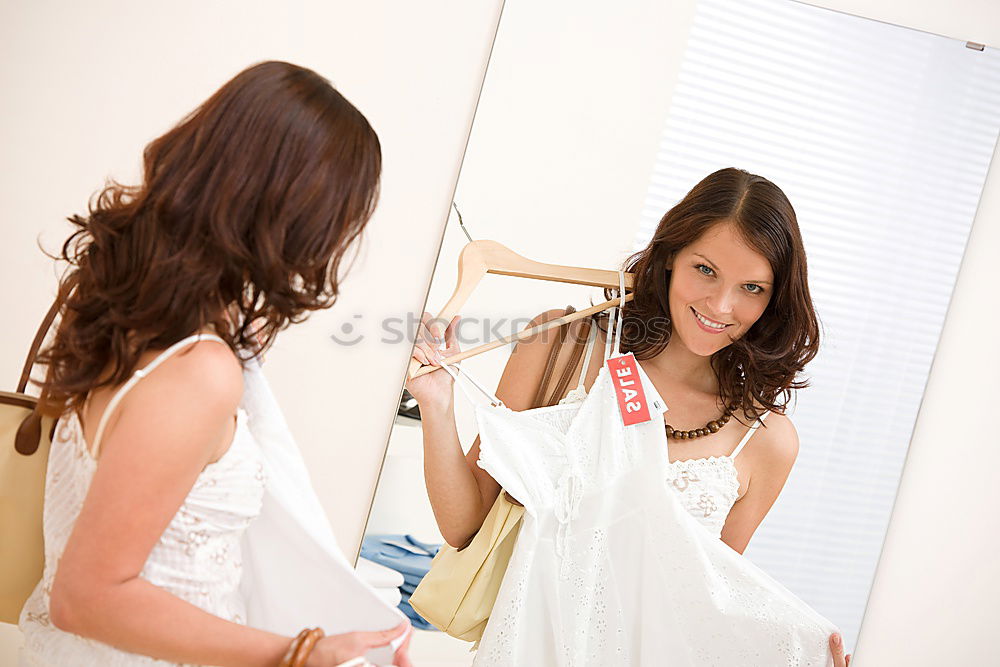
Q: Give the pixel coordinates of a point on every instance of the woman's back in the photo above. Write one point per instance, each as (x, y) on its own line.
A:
(197, 558)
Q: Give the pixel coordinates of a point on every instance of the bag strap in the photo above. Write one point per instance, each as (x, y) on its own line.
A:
(559, 388)
(28, 437)
(36, 344)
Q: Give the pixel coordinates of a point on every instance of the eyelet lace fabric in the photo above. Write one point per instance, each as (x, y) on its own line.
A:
(613, 564)
(708, 487)
(248, 516)
(197, 558)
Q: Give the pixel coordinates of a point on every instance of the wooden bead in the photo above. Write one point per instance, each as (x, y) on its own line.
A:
(711, 427)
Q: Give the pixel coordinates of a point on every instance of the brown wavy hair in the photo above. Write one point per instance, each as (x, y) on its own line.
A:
(245, 211)
(761, 366)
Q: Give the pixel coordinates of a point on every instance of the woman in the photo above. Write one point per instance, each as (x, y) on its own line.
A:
(244, 213)
(721, 321)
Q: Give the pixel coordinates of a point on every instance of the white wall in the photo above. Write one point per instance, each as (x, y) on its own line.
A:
(86, 86)
(415, 70)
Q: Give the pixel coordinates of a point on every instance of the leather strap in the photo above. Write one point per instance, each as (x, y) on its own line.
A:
(556, 391)
(550, 364)
(569, 370)
(36, 344)
(28, 437)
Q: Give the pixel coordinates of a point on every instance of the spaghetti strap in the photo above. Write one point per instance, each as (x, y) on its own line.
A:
(454, 370)
(591, 337)
(749, 434)
(138, 375)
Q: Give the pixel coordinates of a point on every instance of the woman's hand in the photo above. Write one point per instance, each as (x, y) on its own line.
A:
(837, 649)
(336, 649)
(430, 347)
(401, 658)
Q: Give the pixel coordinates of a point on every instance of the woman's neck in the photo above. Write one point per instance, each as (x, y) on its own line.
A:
(684, 368)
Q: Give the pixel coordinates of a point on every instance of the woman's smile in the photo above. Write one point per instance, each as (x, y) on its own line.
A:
(711, 326)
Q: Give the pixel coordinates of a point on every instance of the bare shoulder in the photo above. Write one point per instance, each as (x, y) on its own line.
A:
(778, 442)
(203, 381)
(208, 369)
(526, 366)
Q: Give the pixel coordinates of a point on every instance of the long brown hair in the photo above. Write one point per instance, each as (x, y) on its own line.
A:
(246, 207)
(762, 365)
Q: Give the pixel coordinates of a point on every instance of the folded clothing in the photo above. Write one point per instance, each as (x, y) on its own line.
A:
(409, 558)
(378, 576)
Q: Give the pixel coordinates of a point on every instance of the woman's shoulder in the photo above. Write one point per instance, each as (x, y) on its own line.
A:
(208, 360)
(529, 364)
(204, 372)
(196, 389)
(777, 440)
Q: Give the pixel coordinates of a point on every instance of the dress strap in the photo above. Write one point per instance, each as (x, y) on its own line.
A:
(615, 321)
(138, 375)
(749, 434)
(454, 369)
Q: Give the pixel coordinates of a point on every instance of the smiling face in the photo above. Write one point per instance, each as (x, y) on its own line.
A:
(724, 281)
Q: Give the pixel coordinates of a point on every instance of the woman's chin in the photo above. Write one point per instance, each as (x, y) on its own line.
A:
(706, 348)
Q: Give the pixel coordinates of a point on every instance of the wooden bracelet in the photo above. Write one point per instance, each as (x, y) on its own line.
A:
(306, 647)
(292, 649)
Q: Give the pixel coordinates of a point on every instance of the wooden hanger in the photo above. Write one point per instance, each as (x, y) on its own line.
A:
(481, 257)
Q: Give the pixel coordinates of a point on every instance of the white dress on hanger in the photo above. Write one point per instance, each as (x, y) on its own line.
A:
(708, 487)
(250, 543)
(609, 567)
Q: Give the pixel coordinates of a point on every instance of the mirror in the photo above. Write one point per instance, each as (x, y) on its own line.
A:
(593, 123)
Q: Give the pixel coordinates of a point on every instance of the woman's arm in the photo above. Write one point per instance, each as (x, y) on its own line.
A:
(168, 427)
(771, 452)
(461, 493)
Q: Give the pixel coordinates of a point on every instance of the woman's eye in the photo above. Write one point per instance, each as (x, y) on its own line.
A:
(702, 266)
(758, 289)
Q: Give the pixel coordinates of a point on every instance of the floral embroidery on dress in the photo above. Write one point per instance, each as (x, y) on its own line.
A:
(197, 558)
(687, 477)
(707, 487)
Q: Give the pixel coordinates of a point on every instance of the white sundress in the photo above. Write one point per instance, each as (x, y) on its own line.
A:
(707, 487)
(250, 543)
(610, 568)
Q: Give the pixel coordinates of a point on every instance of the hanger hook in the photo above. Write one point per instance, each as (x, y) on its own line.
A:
(460, 223)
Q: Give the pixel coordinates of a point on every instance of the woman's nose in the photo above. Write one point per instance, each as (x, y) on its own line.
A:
(721, 304)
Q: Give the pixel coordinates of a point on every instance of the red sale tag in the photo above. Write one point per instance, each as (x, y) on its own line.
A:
(628, 389)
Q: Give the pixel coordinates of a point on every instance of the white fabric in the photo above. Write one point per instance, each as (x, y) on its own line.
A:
(708, 487)
(250, 543)
(378, 575)
(609, 569)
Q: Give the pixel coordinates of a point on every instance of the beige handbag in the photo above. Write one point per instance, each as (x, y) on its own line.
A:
(25, 437)
(458, 593)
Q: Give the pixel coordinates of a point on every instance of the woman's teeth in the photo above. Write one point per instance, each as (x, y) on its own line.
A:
(709, 323)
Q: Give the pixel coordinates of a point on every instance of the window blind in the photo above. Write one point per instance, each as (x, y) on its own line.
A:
(881, 137)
